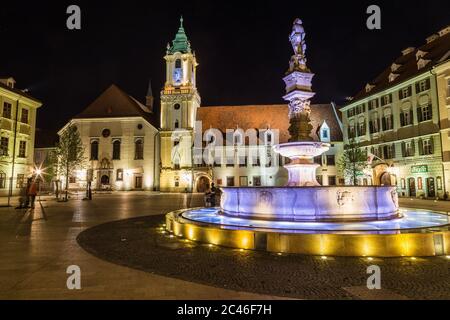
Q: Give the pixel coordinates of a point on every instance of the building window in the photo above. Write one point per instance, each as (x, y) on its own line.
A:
(387, 122)
(386, 99)
(389, 151)
(230, 181)
(178, 63)
(268, 138)
(4, 146)
(138, 149)
(119, 175)
(256, 162)
(350, 112)
(177, 182)
(404, 92)
(319, 179)
(374, 125)
(7, 110)
(243, 181)
(361, 127)
(427, 146)
(373, 104)
(20, 180)
(116, 150)
(403, 183)
(351, 131)
(448, 88)
(2, 180)
(176, 106)
(24, 116)
(439, 183)
(94, 150)
(22, 149)
(256, 181)
(422, 85)
(177, 124)
(408, 148)
(424, 113)
(405, 117)
(331, 180)
(72, 179)
(331, 160)
(419, 183)
(318, 160)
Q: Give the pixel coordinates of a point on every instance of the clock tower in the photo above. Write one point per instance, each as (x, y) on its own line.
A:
(179, 103)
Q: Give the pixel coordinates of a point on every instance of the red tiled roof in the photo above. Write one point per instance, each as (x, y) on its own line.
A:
(265, 116)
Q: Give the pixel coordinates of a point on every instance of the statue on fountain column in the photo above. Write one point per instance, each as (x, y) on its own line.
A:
(297, 39)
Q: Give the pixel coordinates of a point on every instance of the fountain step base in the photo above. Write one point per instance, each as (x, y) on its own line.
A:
(419, 233)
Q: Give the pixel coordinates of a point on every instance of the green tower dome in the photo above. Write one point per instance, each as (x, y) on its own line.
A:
(181, 42)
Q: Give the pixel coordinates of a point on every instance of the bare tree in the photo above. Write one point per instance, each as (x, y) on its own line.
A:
(70, 154)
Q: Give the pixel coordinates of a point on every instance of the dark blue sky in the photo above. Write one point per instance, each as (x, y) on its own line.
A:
(242, 47)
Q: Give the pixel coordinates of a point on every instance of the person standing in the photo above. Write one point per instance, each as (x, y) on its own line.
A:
(213, 195)
(32, 192)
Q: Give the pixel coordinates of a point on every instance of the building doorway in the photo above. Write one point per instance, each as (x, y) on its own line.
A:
(203, 184)
(385, 179)
(138, 182)
(412, 187)
(431, 188)
(104, 180)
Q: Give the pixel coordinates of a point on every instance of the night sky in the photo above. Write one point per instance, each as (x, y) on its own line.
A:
(242, 47)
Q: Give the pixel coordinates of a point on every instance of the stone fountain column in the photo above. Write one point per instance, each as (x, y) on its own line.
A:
(301, 149)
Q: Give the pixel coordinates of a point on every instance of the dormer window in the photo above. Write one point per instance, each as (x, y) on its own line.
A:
(422, 63)
(394, 67)
(324, 132)
(369, 87)
(392, 76)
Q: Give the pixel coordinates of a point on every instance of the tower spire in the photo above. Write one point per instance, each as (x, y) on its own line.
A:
(181, 42)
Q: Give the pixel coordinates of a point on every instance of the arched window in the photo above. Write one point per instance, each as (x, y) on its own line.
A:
(138, 149)
(116, 150)
(2, 180)
(178, 63)
(94, 150)
(268, 138)
(177, 124)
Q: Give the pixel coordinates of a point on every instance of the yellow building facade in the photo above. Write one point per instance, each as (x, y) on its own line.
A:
(17, 135)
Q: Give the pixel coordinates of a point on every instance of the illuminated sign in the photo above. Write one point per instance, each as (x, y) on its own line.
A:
(419, 169)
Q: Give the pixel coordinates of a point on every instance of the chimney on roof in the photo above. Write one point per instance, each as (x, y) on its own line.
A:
(432, 38)
(149, 97)
(444, 31)
(408, 50)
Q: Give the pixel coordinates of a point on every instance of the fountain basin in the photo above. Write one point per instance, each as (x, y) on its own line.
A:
(321, 203)
(301, 149)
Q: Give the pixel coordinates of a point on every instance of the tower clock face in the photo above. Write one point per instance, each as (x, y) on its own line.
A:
(177, 75)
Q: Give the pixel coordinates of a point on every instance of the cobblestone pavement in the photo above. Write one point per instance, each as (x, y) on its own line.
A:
(139, 243)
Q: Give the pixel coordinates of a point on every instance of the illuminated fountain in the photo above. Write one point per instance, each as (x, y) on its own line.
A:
(305, 217)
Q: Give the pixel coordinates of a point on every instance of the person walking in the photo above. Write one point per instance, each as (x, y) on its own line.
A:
(32, 192)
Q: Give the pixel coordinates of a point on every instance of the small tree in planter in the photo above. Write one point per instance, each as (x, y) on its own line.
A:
(70, 154)
(353, 161)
